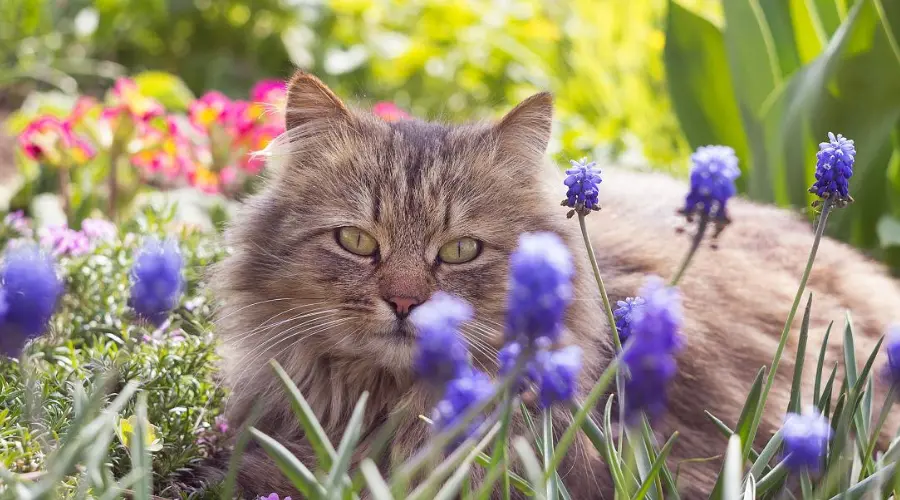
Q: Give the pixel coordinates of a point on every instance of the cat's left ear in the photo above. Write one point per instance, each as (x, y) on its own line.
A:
(526, 129)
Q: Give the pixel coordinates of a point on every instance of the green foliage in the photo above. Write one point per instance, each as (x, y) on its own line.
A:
(776, 79)
(94, 334)
(226, 44)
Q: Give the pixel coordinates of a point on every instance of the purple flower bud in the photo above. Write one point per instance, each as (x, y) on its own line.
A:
(156, 281)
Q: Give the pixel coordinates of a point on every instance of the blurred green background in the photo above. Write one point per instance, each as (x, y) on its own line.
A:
(637, 82)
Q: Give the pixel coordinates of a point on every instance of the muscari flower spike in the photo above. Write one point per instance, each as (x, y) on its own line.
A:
(806, 439)
(623, 314)
(649, 354)
(715, 168)
(540, 288)
(556, 374)
(462, 393)
(441, 353)
(834, 167)
(156, 281)
(31, 291)
(892, 346)
(583, 181)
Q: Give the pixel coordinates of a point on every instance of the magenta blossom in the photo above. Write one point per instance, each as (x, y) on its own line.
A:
(269, 91)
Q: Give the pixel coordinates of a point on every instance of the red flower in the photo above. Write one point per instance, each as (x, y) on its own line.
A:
(389, 112)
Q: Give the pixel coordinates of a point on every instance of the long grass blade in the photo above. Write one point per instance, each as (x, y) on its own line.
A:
(822, 352)
(348, 445)
(797, 384)
(290, 466)
(377, 485)
(240, 444)
(656, 467)
(312, 429)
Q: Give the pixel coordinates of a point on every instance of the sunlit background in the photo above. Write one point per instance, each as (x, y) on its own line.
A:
(639, 83)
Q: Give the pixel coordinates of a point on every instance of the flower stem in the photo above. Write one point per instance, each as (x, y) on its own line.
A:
(770, 379)
(113, 179)
(695, 244)
(606, 305)
(65, 181)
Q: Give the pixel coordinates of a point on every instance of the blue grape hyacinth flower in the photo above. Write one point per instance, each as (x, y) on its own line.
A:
(156, 280)
(892, 346)
(556, 374)
(715, 168)
(806, 439)
(649, 355)
(462, 393)
(31, 290)
(623, 314)
(540, 288)
(834, 167)
(441, 352)
(582, 181)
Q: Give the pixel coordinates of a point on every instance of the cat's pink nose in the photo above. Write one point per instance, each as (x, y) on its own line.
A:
(403, 305)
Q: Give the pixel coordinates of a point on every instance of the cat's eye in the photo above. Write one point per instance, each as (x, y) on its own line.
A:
(357, 241)
(460, 251)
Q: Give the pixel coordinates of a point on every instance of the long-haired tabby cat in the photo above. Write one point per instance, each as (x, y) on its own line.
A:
(346, 238)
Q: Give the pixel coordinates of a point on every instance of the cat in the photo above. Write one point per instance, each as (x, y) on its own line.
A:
(336, 317)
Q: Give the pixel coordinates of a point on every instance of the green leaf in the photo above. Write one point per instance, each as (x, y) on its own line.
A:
(377, 485)
(531, 465)
(656, 467)
(348, 445)
(850, 368)
(547, 452)
(765, 456)
(243, 439)
(797, 384)
(744, 424)
(700, 83)
(516, 480)
(140, 453)
(290, 466)
(824, 404)
(582, 415)
(166, 88)
(312, 429)
(732, 469)
(752, 53)
(451, 487)
(822, 351)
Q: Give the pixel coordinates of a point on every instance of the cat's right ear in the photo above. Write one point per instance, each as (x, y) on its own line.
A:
(525, 131)
(309, 100)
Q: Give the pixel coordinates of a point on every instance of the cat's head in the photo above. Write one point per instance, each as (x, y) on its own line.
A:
(362, 220)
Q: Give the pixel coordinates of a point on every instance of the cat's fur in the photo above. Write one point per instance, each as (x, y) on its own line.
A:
(289, 292)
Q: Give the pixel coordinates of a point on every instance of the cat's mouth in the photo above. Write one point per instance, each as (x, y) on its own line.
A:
(404, 330)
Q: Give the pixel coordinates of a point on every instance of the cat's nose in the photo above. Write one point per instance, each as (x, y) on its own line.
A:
(403, 305)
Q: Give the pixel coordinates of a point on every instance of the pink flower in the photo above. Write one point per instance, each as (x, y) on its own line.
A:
(273, 496)
(389, 112)
(269, 91)
(221, 424)
(64, 241)
(98, 229)
(212, 107)
(127, 98)
(51, 140)
(168, 154)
